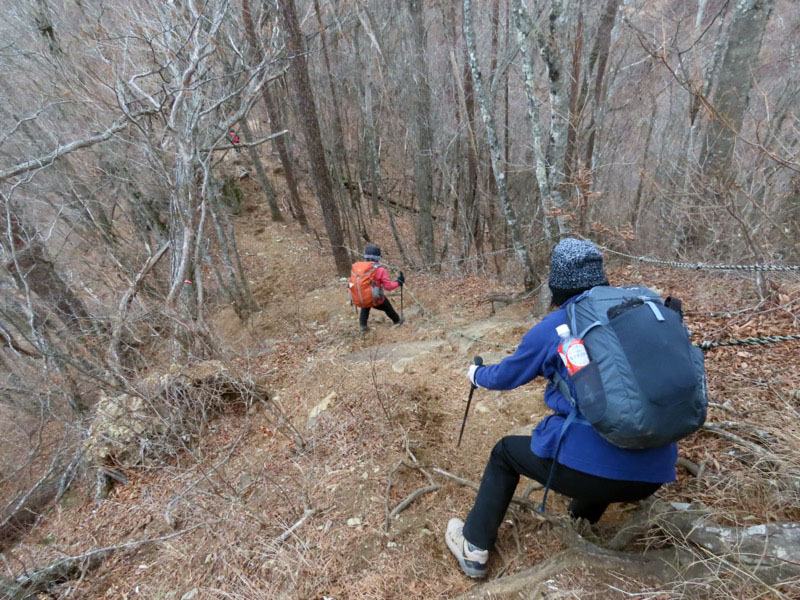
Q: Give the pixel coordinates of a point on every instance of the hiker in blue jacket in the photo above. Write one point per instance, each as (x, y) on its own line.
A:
(591, 471)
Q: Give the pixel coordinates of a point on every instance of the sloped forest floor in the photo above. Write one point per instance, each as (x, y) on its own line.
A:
(262, 517)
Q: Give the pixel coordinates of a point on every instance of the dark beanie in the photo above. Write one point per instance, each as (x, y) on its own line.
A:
(575, 266)
(372, 253)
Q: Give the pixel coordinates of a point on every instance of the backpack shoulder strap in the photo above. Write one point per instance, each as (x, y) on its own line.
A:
(560, 384)
(675, 304)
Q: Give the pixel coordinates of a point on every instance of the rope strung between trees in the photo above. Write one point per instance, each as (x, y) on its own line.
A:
(754, 341)
(700, 265)
(693, 266)
(355, 253)
(707, 345)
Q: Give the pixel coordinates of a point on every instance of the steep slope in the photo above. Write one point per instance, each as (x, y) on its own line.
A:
(263, 518)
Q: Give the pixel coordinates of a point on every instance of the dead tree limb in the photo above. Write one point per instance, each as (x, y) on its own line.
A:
(52, 156)
(6, 339)
(308, 513)
(127, 298)
(732, 437)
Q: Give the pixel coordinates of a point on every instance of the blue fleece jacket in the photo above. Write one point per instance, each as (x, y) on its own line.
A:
(582, 448)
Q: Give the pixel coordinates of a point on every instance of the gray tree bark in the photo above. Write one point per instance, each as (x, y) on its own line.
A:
(549, 188)
(261, 174)
(276, 123)
(499, 175)
(733, 87)
(423, 157)
(311, 131)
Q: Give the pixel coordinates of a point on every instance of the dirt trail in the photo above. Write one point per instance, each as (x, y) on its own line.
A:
(403, 385)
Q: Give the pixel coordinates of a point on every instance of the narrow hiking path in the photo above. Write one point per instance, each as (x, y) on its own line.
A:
(281, 522)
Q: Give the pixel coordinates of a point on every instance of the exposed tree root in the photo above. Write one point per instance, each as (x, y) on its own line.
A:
(767, 552)
(764, 555)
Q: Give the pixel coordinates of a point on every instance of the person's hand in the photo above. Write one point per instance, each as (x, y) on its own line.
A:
(471, 374)
(401, 279)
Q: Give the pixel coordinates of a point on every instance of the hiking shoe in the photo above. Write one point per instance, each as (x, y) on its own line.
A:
(400, 321)
(471, 558)
(364, 328)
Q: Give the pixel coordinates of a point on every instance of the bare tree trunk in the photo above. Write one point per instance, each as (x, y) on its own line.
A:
(473, 164)
(637, 201)
(341, 166)
(729, 103)
(488, 120)
(559, 108)
(599, 56)
(338, 130)
(310, 122)
(276, 123)
(235, 283)
(552, 200)
(735, 80)
(423, 157)
(575, 108)
(261, 174)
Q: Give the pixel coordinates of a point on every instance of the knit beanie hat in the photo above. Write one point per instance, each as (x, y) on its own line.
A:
(575, 266)
(372, 253)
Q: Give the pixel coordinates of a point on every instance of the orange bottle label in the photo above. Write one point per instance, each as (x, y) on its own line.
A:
(574, 355)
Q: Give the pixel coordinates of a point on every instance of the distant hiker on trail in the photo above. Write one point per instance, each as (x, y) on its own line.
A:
(234, 138)
(368, 281)
(590, 470)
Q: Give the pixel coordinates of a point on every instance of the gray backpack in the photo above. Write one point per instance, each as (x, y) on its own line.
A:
(645, 384)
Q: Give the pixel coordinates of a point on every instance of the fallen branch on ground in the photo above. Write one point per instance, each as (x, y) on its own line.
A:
(28, 586)
(411, 497)
(299, 523)
(732, 437)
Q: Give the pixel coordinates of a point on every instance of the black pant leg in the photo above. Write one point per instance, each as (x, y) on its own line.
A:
(591, 495)
(587, 509)
(387, 307)
(511, 457)
(363, 316)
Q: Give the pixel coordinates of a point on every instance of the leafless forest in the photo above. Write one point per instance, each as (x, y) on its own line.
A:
(157, 156)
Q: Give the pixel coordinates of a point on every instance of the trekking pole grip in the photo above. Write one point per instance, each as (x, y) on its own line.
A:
(478, 361)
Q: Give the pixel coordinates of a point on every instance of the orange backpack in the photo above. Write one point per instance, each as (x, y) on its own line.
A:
(364, 291)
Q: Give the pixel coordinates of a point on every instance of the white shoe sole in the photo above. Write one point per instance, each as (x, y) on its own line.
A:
(468, 566)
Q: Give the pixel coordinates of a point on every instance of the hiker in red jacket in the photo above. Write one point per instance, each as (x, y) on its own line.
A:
(234, 138)
(374, 281)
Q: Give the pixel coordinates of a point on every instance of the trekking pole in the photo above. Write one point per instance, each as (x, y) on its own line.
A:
(401, 297)
(478, 361)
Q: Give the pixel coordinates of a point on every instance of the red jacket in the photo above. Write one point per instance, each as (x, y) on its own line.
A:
(381, 277)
